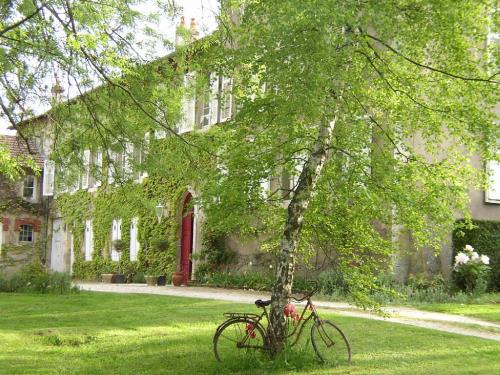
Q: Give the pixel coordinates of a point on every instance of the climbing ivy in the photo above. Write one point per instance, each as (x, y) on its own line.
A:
(124, 202)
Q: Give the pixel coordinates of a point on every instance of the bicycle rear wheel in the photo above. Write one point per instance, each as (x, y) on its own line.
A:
(239, 339)
(330, 343)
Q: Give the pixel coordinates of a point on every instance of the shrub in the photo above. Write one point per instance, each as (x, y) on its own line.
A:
(215, 257)
(159, 244)
(485, 236)
(138, 278)
(332, 283)
(35, 278)
(471, 271)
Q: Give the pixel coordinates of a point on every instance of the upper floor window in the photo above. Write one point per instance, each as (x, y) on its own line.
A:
(492, 194)
(205, 114)
(26, 233)
(29, 187)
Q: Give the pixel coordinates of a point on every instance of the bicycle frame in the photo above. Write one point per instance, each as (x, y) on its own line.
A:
(257, 320)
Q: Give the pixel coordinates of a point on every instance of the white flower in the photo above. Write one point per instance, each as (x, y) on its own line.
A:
(270, 266)
(468, 248)
(250, 264)
(474, 256)
(485, 259)
(461, 258)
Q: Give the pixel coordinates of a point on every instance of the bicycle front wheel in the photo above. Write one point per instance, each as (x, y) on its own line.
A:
(330, 343)
(239, 339)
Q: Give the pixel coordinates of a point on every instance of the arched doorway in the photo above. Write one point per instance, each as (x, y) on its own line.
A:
(187, 238)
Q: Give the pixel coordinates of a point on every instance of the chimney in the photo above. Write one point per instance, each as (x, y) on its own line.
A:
(193, 29)
(180, 33)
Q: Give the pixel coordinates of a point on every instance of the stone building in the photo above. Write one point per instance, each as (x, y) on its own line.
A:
(67, 243)
(23, 209)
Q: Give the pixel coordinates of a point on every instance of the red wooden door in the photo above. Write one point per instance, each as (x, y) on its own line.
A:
(187, 239)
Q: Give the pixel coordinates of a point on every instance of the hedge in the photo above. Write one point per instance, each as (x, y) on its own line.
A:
(484, 236)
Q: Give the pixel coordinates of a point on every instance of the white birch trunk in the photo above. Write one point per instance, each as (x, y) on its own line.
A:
(300, 201)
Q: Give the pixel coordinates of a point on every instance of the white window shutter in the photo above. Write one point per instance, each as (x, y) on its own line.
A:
(111, 167)
(134, 241)
(128, 156)
(76, 185)
(492, 195)
(88, 240)
(265, 186)
(188, 106)
(226, 106)
(86, 169)
(214, 98)
(160, 134)
(98, 166)
(48, 177)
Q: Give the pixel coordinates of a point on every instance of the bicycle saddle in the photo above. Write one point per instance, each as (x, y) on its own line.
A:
(260, 303)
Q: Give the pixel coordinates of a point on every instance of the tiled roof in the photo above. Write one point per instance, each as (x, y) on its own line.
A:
(18, 147)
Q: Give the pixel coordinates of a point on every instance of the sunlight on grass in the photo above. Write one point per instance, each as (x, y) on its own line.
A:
(490, 312)
(94, 333)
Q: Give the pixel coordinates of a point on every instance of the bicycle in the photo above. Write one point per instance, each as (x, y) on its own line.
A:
(244, 333)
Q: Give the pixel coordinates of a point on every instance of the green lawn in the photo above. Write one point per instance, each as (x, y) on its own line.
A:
(94, 333)
(488, 311)
(485, 307)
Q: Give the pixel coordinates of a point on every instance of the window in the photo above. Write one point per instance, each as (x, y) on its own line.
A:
(226, 100)
(26, 233)
(205, 114)
(492, 195)
(210, 100)
(118, 165)
(139, 156)
(116, 234)
(265, 187)
(49, 167)
(188, 105)
(29, 187)
(97, 168)
(86, 169)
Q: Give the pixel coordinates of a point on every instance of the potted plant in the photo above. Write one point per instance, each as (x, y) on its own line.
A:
(159, 244)
(154, 276)
(120, 277)
(108, 276)
(177, 278)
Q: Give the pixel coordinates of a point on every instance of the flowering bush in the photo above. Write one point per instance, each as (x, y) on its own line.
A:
(471, 270)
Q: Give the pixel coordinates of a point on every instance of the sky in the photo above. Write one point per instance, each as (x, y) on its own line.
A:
(204, 11)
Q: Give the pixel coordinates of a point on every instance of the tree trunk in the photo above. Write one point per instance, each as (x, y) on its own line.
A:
(300, 201)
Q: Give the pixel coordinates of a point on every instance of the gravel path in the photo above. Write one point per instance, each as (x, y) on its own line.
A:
(443, 322)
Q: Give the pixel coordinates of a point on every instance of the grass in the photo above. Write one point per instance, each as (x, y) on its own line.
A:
(96, 333)
(485, 307)
(489, 312)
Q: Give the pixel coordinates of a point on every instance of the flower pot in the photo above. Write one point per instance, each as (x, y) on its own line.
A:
(120, 279)
(177, 278)
(162, 281)
(151, 280)
(108, 278)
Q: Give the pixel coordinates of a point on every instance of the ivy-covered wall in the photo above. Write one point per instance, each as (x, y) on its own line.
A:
(158, 239)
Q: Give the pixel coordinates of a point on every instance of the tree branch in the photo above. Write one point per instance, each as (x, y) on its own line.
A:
(428, 67)
(22, 21)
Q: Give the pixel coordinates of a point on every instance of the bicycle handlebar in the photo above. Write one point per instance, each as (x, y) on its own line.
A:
(309, 294)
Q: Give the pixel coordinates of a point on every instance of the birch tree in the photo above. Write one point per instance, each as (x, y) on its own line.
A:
(374, 109)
